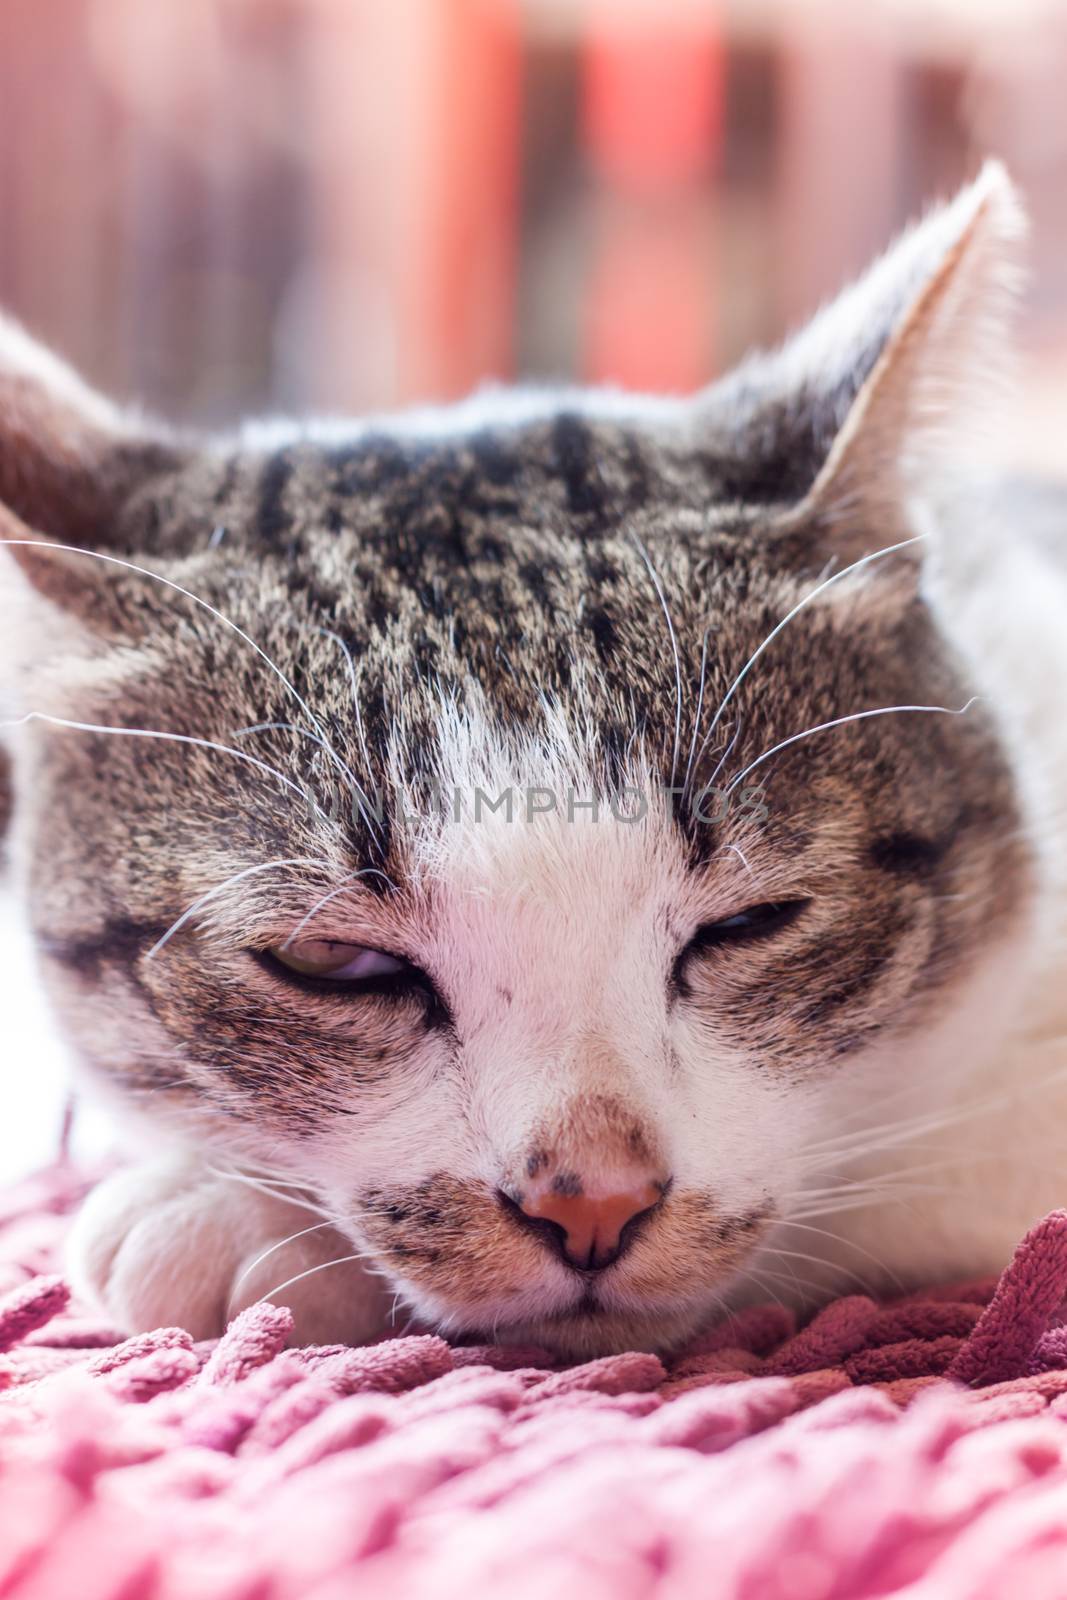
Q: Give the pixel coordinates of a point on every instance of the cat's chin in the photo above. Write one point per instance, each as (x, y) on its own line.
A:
(585, 1335)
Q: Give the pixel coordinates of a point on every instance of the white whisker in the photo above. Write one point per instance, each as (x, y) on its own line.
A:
(837, 1238)
(654, 575)
(894, 1197)
(357, 709)
(838, 722)
(263, 866)
(740, 854)
(361, 797)
(790, 1279)
(813, 594)
(278, 1245)
(362, 872)
(337, 1261)
(700, 707)
(818, 1261)
(220, 616)
(173, 738)
(724, 757)
(262, 1188)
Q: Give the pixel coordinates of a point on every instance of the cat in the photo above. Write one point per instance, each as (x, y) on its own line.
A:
(552, 867)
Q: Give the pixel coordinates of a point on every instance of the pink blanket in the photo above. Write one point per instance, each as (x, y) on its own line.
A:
(914, 1448)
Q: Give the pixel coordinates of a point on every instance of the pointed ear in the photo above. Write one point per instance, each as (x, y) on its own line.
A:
(70, 463)
(894, 387)
(86, 589)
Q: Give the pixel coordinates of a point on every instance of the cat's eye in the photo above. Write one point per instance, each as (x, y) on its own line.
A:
(754, 922)
(335, 967)
(338, 962)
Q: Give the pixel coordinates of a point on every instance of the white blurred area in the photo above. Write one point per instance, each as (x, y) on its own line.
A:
(223, 207)
(34, 1075)
(34, 1071)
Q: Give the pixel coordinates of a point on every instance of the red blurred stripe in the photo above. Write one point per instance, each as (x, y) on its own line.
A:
(463, 288)
(652, 97)
(652, 128)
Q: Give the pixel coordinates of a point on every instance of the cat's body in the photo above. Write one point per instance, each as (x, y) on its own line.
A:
(549, 1071)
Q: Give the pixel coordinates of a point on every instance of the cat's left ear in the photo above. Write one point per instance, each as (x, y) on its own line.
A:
(71, 463)
(891, 390)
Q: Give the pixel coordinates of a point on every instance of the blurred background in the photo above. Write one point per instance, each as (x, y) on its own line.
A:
(223, 207)
(231, 206)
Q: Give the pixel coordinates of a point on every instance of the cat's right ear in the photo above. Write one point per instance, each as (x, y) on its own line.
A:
(70, 462)
(889, 396)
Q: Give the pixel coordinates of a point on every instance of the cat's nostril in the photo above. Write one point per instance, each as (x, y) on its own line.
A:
(588, 1232)
(550, 1233)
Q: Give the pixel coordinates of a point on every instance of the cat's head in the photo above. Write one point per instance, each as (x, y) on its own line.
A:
(344, 838)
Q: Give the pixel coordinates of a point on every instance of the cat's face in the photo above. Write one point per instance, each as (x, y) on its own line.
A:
(404, 912)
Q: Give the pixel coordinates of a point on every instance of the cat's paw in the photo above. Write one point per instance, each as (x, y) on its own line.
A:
(175, 1244)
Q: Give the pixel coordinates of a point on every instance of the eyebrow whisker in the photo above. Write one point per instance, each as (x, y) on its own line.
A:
(839, 722)
(357, 709)
(658, 586)
(362, 799)
(700, 707)
(362, 872)
(174, 738)
(813, 594)
(237, 877)
(220, 616)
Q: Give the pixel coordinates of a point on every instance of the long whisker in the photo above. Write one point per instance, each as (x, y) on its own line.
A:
(838, 722)
(760, 1280)
(264, 1188)
(654, 575)
(363, 872)
(279, 1245)
(197, 905)
(898, 1187)
(819, 1261)
(220, 616)
(700, 707)
(337, 1261)
(861, 1189)
(357, 709)
(724, 757)
(886, 1136)
(362, 800)
(279, 727)
(173, 738)
(865, 1202)
(813, 594)
(837, 1238)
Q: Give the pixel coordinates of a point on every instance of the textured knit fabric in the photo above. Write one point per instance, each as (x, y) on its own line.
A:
(914, 1448)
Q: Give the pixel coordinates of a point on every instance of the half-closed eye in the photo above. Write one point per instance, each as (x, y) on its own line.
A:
(752, 923)
(344, 963)
(335, 967)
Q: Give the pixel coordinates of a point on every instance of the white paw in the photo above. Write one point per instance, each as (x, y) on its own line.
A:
(175, 1244)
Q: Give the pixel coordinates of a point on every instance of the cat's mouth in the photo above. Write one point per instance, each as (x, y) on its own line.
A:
(587, 1306)
(601, 1319)
(458, 1260)
(598, 1321)
(591, 1328)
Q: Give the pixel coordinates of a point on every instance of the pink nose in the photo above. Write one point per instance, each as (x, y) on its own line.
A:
(592, 1228)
